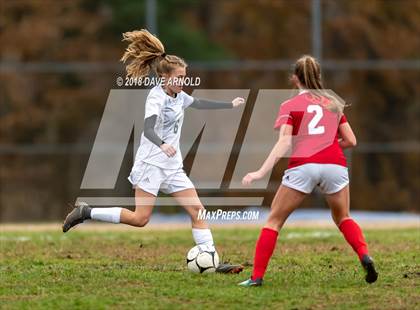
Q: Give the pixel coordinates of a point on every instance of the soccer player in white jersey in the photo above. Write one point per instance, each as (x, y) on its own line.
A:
(158, 164)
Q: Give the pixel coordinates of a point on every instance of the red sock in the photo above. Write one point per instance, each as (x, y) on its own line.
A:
(263, 251)
(354, 236)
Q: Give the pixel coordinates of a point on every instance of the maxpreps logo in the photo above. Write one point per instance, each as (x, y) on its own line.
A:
(219, 146)
(222, 215)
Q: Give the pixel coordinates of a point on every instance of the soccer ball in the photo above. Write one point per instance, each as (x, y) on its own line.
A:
(202, 259)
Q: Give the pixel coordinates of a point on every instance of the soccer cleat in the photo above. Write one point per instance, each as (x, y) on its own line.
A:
(78, 215)
(228, 268)
(371, 274)
(250, 282)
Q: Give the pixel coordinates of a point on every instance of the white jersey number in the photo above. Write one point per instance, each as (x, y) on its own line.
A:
(312, 126)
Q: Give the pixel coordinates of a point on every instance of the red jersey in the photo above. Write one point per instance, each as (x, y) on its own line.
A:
(315, 130)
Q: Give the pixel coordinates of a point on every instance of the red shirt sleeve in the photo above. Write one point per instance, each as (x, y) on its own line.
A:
(284, 116)
(343, 119)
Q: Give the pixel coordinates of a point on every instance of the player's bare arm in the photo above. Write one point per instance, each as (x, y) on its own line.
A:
(280, 148)
(347, 137)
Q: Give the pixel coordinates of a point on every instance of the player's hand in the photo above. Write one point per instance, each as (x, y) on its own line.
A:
(251, 177)
(238, 101)
(169, 150)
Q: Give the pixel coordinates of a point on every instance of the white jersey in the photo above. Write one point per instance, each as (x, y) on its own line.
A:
(170, 115)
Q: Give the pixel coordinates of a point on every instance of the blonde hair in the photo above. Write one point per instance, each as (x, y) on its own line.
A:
(145, 53)
(308, 71)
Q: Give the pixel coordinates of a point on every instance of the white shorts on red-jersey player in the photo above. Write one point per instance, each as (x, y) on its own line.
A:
(151, 179)
(330, 178)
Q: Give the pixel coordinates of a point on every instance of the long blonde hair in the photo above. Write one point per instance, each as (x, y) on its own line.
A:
(308, 71)
(145, 53)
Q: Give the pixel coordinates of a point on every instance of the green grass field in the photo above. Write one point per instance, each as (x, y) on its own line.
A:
(311, 268)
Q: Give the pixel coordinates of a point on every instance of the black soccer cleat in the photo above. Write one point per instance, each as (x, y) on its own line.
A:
(78, 215)
(368, 265)
(229, 268)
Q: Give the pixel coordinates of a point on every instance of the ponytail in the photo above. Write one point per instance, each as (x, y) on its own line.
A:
(145, 53)
(308, 71)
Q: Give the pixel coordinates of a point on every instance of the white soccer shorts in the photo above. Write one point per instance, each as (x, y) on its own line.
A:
(329, 177)
(152, 178)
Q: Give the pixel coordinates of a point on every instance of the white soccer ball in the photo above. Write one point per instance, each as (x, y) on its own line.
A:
(202, 259)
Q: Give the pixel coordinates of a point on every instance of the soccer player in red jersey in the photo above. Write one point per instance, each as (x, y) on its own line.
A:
(313, 127)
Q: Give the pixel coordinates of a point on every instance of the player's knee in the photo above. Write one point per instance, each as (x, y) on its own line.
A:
(195, 209)
(141, 221)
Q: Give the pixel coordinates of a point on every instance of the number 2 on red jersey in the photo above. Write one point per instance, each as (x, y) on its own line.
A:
(313, 129)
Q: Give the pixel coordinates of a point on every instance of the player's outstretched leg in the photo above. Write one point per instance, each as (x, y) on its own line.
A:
(78, 215)
(284, 203)
(340, 204)
(263, 251)
(202, 235)
(139, 218)
(83, 212)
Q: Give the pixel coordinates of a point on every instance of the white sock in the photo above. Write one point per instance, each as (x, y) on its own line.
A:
(110, 215)
(203, 236)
